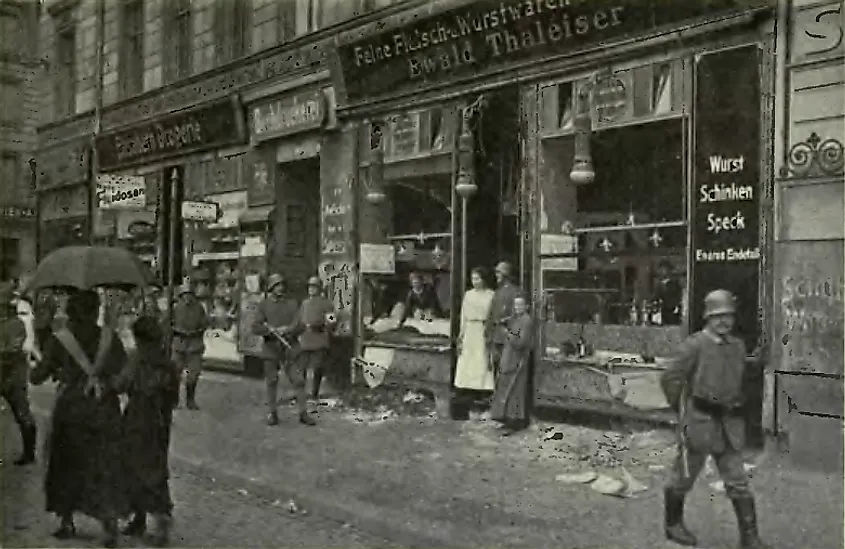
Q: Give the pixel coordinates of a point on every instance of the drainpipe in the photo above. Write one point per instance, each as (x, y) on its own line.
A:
(98, 109)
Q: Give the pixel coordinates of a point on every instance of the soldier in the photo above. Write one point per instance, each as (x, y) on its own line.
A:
(314, 326)
(705, 385)
(14, 372)
(277, 313)
(189, 324)
(501, 311)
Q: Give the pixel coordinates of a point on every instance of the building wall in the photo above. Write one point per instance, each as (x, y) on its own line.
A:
(809, 280)
(21, 76)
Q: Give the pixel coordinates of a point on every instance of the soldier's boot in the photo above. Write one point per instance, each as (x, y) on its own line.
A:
(318, 380)
(190, 395)
(137, 526)
(110, 533)
(746, 517)
(161, 534)
(66, 529)
(302, 404)
(29, 436)
(674, 527)
(272, 402)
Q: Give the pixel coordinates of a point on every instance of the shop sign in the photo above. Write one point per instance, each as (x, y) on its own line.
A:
(492, 35)
(610, 98)
(17, 212)
(62, 166)
(232, 206)
(205, 212)
(64, 203)
(121, 192)
(726, 190)
(287, 115)
(378, 259)
(219, 124)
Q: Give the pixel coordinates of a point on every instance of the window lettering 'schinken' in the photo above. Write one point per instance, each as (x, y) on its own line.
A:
(448, 45)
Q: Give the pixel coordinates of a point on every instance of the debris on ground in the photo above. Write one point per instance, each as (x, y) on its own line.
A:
(577, 478)
(293, 507)
(364, 405)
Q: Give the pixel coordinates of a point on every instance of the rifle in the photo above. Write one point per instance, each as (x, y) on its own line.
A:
(682, 439)
(281, 338)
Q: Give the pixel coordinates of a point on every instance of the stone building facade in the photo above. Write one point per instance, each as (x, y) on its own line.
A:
(21, 76)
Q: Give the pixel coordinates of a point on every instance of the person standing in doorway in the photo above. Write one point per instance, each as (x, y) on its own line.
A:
(474, 371)
(189, 324)
(274, 321)
(511, 398)
(705, 385)
(501, 310)
(14, 372)
(316, 322)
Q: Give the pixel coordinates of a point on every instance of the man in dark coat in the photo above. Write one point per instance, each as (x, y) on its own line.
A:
(84, 464)
(14, 372)
(274, 321)
(501, 310)
(705, 385)
(314, 326)
(189, 324)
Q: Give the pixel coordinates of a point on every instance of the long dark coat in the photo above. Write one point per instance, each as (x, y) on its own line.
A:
(511, 399)
(83, 448)
(152, 383)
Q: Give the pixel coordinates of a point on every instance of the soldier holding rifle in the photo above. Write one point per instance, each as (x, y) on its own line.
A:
(705, 385)
(275, 321)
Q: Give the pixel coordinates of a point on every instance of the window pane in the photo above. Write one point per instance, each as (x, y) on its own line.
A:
(12, 103)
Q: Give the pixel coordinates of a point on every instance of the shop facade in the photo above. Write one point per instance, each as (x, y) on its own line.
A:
(597, 149)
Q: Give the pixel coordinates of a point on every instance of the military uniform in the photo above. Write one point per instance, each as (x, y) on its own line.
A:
(14, 374)
(279, 313)
(705, 385)
(501, 310)
(314, 327)
(189, 324)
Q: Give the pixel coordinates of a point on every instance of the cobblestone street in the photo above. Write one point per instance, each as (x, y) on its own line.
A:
(208, 513)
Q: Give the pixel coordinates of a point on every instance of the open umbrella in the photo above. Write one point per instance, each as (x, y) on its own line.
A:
(89, 267)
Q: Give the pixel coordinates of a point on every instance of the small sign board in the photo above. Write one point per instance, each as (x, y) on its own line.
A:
(378, 259)
(121, 192)
(207, 212)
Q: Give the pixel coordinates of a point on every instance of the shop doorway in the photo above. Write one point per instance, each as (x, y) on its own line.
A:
(295, 247)
(493, 213)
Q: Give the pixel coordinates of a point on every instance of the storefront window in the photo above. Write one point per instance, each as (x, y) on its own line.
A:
(614, 252)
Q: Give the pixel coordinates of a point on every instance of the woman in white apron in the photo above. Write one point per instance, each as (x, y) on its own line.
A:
(474, 371)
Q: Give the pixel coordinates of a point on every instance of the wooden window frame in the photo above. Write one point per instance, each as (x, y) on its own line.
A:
(178, 35)
(66, 65)
(232, 29)
(131, 64)
(15, 107)
(12, 48)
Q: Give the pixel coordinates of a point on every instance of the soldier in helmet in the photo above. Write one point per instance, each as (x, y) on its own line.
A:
(501, 311)
(705, 385)
(314, 326)
(14, 372)
(274, 321)
(189, 324)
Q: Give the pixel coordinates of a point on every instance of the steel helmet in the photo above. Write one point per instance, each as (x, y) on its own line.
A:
(315, 281)
(719, 302)
(185, 288)
(274, 280)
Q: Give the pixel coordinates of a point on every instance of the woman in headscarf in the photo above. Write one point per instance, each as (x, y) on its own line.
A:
(152, 383)
(84, 458)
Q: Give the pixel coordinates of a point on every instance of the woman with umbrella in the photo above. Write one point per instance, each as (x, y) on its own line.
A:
(84, 462)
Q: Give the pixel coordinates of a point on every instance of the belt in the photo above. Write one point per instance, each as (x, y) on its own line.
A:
(714, 409)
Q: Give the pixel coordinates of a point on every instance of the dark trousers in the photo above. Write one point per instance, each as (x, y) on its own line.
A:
(18, 398)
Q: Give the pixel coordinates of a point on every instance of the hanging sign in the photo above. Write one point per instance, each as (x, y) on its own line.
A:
(207, 212)
(287, 115)
(378, 259)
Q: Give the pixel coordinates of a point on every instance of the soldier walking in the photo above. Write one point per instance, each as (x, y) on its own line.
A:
(275, 321)
(14, 372)
(189, 324)
(501, 311)
(705, 385)
(314, 327)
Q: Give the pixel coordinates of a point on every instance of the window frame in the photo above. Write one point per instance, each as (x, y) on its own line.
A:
(131, 48)
(12, 48)
(232, 26)
(178, 17)
(66, 65)
(16, 107)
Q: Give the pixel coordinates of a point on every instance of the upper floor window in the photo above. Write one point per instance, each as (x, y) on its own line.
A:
(178, 37)
(232, 25)
(12, 102)
(65, 66)
(11, 173)
(298, 17)
(131, 64)
(10, 28)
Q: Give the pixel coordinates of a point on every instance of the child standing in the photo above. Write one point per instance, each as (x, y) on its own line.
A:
(705, 385)
(152, 384)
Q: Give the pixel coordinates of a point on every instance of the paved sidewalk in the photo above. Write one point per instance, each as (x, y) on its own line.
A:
(458, 484)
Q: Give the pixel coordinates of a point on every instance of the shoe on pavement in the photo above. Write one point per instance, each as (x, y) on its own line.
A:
(66, 530)
(305, 419)
(272, 418)
(746, 518)
(137, 526)
(674, 528)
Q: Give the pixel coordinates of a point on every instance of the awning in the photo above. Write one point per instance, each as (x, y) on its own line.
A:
(256, 214)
